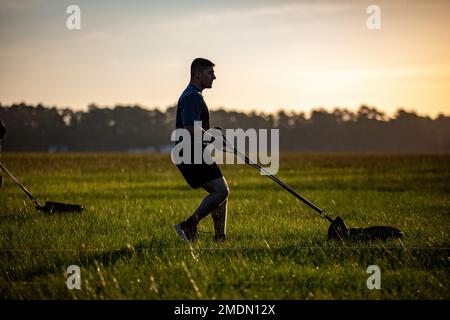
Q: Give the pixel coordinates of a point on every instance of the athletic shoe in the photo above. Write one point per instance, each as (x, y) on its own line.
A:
(220, 238)
(186, 232)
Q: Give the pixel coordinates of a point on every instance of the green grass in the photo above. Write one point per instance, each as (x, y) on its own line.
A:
(127, 248)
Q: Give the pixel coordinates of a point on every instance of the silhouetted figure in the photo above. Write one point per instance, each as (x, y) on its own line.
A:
(192, 107)
(2, 130)
(2, 135)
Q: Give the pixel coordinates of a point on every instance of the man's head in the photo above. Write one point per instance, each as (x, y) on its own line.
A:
(202, 73)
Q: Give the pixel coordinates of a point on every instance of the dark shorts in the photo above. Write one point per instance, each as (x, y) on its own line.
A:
(198, 174)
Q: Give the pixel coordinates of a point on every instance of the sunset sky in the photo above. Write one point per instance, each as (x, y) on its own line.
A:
(295, 55)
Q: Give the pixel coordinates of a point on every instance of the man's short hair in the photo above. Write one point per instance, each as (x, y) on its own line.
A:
(200, 64)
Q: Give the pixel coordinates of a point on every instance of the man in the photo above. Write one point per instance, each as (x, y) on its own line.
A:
(2, 135)
(192, 107)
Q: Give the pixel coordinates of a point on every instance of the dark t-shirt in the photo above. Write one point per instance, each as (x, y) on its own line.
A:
(191, 107)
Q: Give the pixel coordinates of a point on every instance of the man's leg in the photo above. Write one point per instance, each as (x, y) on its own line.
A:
(218, 193)
(219, 216)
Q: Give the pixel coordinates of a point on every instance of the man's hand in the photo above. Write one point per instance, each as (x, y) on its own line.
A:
(205, 143)
(225, 145)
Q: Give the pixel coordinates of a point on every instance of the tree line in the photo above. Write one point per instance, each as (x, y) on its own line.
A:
(128, 128)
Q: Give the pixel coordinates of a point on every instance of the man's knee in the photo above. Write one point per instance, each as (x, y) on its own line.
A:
(225, 189)
(221, 187)
(218, 186)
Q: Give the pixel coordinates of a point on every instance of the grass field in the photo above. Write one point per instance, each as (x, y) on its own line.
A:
(127, 248)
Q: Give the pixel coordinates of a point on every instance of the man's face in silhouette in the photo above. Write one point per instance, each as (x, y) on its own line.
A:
(206, 77)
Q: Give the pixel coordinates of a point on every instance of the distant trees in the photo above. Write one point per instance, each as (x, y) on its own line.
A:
(40, 128)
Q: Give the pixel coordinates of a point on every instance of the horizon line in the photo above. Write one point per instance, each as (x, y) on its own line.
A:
(238, 110)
